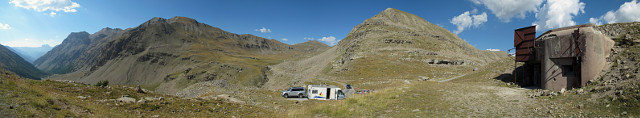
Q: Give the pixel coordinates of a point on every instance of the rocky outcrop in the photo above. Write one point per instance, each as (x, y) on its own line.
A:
(617, 30)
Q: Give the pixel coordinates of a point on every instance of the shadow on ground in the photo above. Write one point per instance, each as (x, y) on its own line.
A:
(510, 78)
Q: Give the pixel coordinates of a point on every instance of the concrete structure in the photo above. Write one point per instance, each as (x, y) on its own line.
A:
(566, 57)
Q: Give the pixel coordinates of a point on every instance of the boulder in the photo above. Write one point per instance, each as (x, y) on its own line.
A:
(126, 99)
(142, 101)
(82, 97)
(422, 78)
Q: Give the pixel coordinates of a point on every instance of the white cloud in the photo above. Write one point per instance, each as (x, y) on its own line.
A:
(493, 49)
(558, 13)
(52, 14)
(4, 26)
(479, 19)
(507, 9)
(285, 39)
(474, 11)
(466, 20)
(628, 12)
(331, 40)
(263, 30)
(30, 43)
(595, 21)
(47, 5)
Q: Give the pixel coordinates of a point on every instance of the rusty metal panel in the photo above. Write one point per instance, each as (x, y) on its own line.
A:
(523, 40)
(524, 34)
(527, 44)
(523, 51)
(523, 57)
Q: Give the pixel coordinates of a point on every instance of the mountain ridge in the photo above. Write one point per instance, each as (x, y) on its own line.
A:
(30, 54)
(395, 29)
(169, 55)
(390, 45)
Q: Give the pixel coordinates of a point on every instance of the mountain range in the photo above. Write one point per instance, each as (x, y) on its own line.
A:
(168, 55)
(31, 53)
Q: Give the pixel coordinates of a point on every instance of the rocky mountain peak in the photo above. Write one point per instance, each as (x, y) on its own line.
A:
(154, 20)
(181, 19)
(396, 29)
(394, 17)
(78, 37)
(176, 19)
(108, 30)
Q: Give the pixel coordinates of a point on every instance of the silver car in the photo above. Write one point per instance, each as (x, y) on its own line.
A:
(294, 91)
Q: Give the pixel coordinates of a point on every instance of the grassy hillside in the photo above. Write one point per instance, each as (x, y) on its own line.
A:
(181, 56)
(29, 98)
(14, 63)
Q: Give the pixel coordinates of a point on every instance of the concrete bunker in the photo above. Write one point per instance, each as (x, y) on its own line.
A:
(562, 58)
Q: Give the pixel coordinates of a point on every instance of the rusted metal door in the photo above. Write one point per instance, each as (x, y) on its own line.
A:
(523, 40)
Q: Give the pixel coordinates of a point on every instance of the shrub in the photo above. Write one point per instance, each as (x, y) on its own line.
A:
(102, 83)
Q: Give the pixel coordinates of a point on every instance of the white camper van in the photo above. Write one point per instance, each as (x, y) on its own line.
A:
(324, 92)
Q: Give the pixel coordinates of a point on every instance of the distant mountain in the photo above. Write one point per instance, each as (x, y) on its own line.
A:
(169, 55)
(14, 63)
(19, 54)
(60, 59)
(31, 53)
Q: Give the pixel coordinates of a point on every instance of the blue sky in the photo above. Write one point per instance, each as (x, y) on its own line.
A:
(488, 24)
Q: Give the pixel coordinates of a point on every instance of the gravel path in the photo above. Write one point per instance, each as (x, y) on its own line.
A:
(452, 78)
(295, 73)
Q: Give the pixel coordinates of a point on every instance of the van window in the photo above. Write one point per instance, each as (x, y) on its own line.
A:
(314, 92)
(340, 93)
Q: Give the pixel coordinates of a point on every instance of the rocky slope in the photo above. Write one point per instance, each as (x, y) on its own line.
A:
(391, 45)
(619, 85)
(14, 63)
(393, 30)
(181, 56)
(60, 59)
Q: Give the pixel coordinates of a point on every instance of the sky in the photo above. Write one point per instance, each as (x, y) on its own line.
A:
(485, 24)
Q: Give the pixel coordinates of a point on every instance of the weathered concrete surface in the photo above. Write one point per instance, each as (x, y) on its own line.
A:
(559, 66)
(596, 49)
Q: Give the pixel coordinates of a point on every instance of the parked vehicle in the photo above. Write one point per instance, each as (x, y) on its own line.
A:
(294, 91)
(325, 92)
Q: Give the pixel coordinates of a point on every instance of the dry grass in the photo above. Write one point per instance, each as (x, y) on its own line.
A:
(30, 98)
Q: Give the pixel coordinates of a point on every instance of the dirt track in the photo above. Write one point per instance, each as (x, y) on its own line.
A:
(295, 73)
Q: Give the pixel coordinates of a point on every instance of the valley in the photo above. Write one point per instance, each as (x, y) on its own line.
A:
(180, 67)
